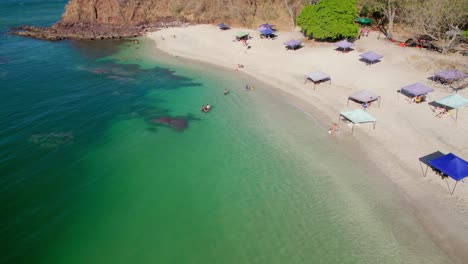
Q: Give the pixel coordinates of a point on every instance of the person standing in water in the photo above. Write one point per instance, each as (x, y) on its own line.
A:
(226, 91)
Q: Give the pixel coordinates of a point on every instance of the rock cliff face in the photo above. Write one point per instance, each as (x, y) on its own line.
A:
(102, 19)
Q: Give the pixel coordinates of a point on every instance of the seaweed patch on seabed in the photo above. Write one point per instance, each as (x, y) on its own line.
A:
(52, 140)
(178, 123)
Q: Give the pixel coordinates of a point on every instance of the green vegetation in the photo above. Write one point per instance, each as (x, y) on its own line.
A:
(329, 19)
(464, 34)
(364, 11)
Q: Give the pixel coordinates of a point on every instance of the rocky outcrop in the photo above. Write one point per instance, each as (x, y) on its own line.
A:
(104, 19)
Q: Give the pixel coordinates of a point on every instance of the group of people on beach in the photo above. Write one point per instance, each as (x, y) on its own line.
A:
(363, 33)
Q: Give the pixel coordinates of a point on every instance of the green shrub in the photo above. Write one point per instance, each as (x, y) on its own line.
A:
(329, 19)
(364, 11)
(464, 34)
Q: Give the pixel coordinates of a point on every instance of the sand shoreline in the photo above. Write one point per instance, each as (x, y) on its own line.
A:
(404, 131)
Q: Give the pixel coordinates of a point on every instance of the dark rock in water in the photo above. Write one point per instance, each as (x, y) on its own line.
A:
(78, 31)
(177, 123)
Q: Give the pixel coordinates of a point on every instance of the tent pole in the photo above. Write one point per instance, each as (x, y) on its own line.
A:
(379, 101)
(422, 170)
(456, 115)
(454, 188)
(352, 129)
(448, 186)
(347, 104)
(375, 122)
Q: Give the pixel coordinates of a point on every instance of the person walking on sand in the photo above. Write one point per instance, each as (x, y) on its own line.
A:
(333, 129)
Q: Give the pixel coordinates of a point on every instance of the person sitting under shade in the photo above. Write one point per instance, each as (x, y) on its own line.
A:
(418, 99)
(365, 105)
(441, 111)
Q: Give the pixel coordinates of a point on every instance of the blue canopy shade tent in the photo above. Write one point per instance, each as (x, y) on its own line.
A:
(452, 166)
(266, 32)
(449, 76)
(371, 57)
(344, 45)
(415, 89)
(454, 101)
(223, 26)
(266, 25)
(364, 96)
(358, 116)
(292, 44)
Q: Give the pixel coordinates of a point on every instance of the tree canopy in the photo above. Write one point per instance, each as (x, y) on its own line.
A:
(329, 19)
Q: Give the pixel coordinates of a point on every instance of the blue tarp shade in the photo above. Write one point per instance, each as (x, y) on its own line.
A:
(453, 101)
(358, 116)
(416, 89)
(371, 56)
(223, 26)
(266, 32)
(344, 44)
(293, 44)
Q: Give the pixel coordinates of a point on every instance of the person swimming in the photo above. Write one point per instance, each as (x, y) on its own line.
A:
(226, 91)
(205, 108)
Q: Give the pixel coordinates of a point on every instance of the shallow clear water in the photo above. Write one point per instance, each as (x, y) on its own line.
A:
(88, 177)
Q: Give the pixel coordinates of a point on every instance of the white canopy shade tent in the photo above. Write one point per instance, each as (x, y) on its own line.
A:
(358, 116)
(454, 101)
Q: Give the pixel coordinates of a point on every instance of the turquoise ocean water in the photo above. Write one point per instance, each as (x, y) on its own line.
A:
(86, 176)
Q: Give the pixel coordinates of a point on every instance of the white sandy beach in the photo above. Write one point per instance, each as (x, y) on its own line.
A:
(404, 132)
